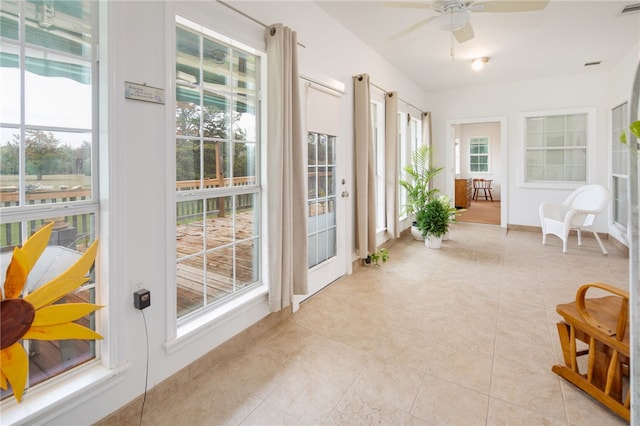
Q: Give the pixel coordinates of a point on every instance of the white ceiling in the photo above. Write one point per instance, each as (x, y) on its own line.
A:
(558, 40)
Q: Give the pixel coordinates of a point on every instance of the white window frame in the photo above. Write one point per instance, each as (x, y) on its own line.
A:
(618, 149)
(55, 394)
(590, 147)
(484, 140)
(181, 331)
(378, 139)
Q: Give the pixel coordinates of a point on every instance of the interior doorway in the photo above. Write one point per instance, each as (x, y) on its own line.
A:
(476, 159)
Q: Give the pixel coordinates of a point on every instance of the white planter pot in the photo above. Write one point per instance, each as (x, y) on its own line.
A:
(415, 232)
(433, 242)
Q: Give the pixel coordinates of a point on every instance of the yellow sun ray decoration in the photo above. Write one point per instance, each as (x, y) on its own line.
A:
(33, 316)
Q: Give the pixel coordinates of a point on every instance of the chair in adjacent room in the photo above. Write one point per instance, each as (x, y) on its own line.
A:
(483, 185)
(577, 212)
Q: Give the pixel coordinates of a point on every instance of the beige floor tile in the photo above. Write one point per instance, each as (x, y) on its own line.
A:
(502, 413)
(386, 384)
(354, 409)
(441, 402)
(471, 369)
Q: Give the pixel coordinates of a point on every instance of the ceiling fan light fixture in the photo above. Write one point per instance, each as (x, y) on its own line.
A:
(453, 20)
(478, 63)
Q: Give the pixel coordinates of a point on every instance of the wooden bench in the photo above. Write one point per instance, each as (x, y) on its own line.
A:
(602, 324)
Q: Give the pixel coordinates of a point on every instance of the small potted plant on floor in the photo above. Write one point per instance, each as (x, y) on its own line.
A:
(433, 221)
(375, 258)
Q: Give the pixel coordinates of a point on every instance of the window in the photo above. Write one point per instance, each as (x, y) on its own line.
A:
(410, 138)
(377, 120)
(217, 161)
(556, 147)
(479, 154)
(48, 154)
(620, 165)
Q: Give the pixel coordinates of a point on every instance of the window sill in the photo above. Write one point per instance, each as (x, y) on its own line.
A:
(217, 318)
(553, 185)
(44, 403)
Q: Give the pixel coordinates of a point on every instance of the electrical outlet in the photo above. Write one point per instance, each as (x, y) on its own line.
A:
(142, 299)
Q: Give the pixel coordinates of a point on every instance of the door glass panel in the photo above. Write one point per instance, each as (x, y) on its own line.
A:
(322, 200)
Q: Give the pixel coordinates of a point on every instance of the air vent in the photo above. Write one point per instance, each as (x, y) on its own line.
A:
(630, 8)
(592, 63)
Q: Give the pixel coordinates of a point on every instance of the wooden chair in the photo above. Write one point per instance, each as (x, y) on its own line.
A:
(603, 325)
(483, 185)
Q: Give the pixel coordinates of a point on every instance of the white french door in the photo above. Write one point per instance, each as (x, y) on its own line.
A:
(326, 186)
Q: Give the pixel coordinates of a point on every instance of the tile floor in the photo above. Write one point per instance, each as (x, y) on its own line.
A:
(464, 335)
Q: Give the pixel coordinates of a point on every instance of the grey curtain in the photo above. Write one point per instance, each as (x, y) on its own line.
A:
(392, 201)
(365, 177)
(286, 180)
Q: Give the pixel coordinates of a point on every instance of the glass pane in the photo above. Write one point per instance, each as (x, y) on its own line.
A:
(535, 124)
(244, 119)
(215, 64)
(246, 263)
(189, 285)
(219, 225)
(322, 182)
(247, 219)
(58, 166)
(187, 164)
(214, 116)
(331, 242)
(576, 138)
(322, 149)
(576, 122)
(331, 181)
(555, 157)
(9, 166)
(187, 111)
(555, 123)
(312, 144)
(331, 211)
(187, 56)
(620, 200)
(244, 164)
(312, 250)
(331, 144)
(245, 71)
(9, 81)
(189, 228)
(9, 26)
(322, 246)
(72, 22)
(535, 140)
(312, 178)
(219, 274)
(555, 139)
(61, 82)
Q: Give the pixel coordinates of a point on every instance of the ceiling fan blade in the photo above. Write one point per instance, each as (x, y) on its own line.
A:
(511, 6)
(409, 4)
(412, 28)
(464, 34)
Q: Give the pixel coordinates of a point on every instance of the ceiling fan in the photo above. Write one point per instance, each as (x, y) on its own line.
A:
(454, 15)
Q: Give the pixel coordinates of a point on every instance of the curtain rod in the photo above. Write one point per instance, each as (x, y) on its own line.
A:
(251, 18)
(399, 98)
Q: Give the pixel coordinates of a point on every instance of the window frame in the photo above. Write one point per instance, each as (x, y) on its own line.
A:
(193, 323)
(590, 129)
(75, 377)
(486, 141)
(617, 176)
(378, 138)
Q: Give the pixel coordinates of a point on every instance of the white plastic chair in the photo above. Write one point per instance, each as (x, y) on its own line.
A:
(578, 212)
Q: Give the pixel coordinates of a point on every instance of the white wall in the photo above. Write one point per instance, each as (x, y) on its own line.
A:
(511, 99)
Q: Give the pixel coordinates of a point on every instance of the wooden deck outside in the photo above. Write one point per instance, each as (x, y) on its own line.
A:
(219, 270)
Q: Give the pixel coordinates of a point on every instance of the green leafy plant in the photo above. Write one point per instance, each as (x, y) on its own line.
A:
(379, 255)
(420, 174)
(435, 218)
(635, 129)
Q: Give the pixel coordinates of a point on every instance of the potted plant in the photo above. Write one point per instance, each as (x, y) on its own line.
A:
(417, 186)
(375, 258)
(433, 221)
